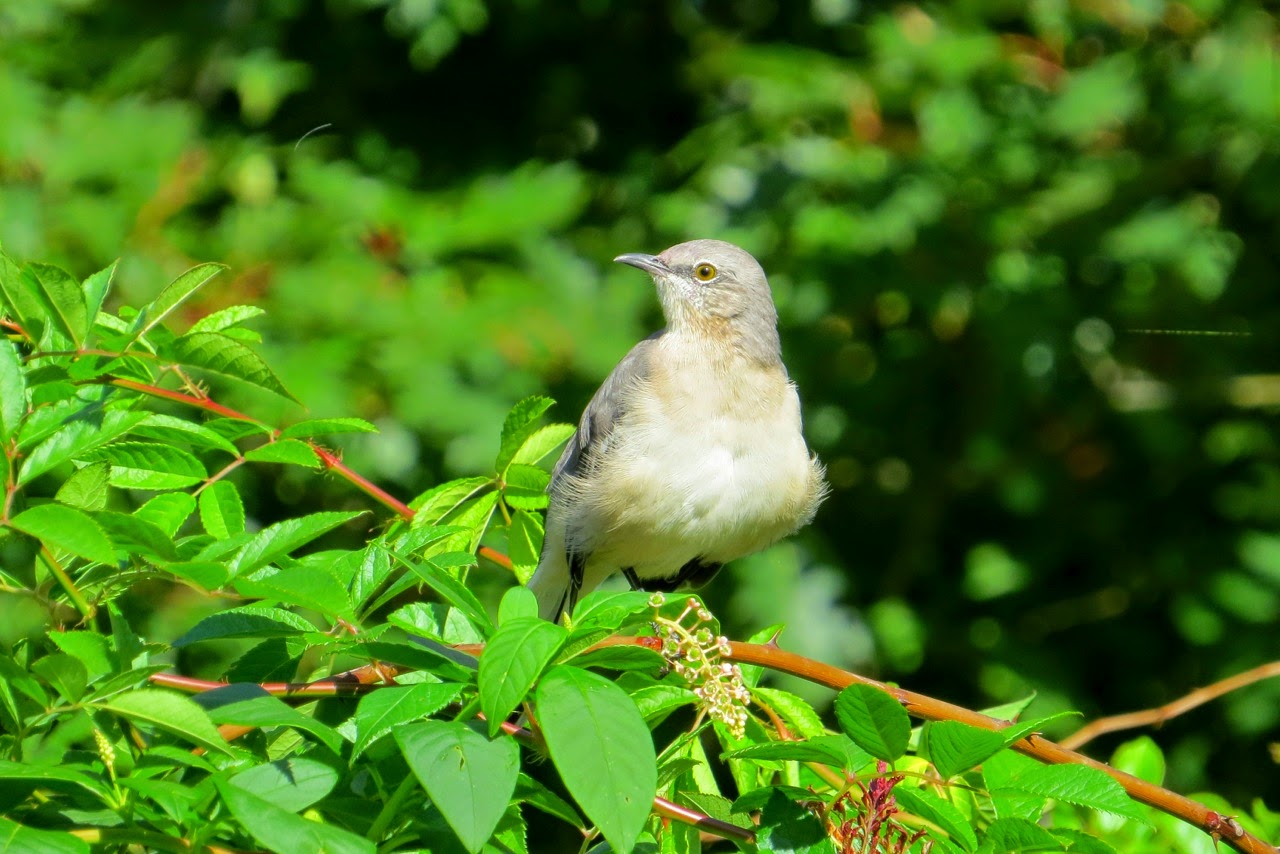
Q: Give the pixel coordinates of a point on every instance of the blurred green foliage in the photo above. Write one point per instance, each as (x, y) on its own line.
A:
(982, 220)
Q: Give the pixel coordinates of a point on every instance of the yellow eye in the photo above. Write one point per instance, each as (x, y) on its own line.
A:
(704, 272)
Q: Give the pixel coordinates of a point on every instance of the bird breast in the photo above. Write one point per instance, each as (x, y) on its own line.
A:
(713, 464)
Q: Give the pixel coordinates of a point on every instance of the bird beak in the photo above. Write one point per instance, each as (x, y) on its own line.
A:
(649, 263)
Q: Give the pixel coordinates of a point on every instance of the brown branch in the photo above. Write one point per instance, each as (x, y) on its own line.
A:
(334, 463)
(1160, 714)
(667, 809)
(1041, 749)
(205, 403)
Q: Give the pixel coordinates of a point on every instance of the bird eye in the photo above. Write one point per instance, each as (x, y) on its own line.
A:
(704, 272)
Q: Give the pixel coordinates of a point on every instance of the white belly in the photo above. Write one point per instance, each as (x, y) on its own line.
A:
(701, 473)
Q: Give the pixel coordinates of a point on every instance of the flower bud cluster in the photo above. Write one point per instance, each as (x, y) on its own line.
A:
(695, 653)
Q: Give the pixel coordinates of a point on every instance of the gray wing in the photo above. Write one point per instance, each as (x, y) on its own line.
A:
(603, 412)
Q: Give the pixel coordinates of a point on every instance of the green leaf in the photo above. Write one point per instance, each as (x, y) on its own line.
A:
(250, 621)
(944, 814)
(525, 487)
(282, 538)
(283, 832)
(794, 710)
(469, 778)
(518, 427)
(420, 654)
(13, 391)
(287, 451)
(524, 543)
(75, 439)
(66, 674)
(1017, 835)
(788, 828)
(250, 705)
(517, 602)
(90, 648)
(167, 511)
(838, 751)
(300, 585)
(1079, 785)
(513, 659)
(874, 720)
(998, 774)
(20, 839)
(66, 528)
(452, 591)
(86, 488)
(325, 427)
(392, 705)
(1142, 758)
(224, 318)
(530, 791)
(221, 511)
(168, 429)
(655, 702)
(955, 747)
(439, 502)
(542, 442)
(1079, 842)
(220, 354)
(602, 749)
(173, 295)
(171, 712)
(147, 465)
(134, 535)
(61, 298)
(291, 784)
(96, 288)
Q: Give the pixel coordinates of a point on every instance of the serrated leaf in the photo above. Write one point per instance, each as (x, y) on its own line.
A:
(134, 535)
(525, 487)
(227, 317)
(89, 648)
(1079, 785)
(524, 543)
(955, 747)
(1017, 835)
(61, 298)
(420, 654)
(326, 427)
(943, 813)
(788, 828)
(96, 288)
(13, 391)
(517, 602)
(513, 659)
(602, 749)
(874, 720)
(284, 537)
(393, 705)
(437, 503)
(542, 442)
(167, 428)
(838, 751)
(794, 710)
(66, 528)
(173, 295)
(170, 712)
(168, 511)
(287, 451)
(519, 426)
(221, 511)
(452, 591)
(221, 354)
(283, 832)
(77, 439)
(148, 465)
(301, 586)
(469, 778)
(251, 621)
(86, 488)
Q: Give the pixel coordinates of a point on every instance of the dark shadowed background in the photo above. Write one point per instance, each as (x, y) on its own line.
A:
(1025, 256)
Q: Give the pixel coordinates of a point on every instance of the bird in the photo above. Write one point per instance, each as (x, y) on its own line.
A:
(690, 454)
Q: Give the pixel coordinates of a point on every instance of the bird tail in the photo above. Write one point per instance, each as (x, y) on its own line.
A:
(550, 582)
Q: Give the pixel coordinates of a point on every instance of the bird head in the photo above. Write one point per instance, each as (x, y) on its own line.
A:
(715, 289)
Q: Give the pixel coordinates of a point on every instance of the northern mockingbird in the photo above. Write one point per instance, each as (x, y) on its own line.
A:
(690, 454)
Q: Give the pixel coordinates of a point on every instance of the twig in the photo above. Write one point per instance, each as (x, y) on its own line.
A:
(1160, 714)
